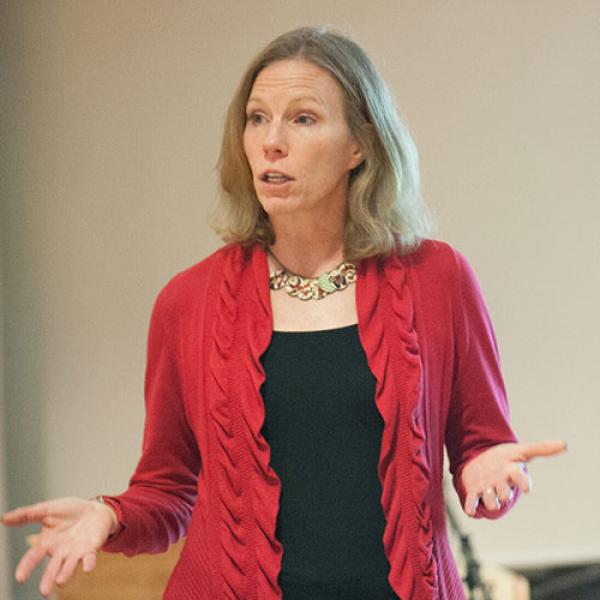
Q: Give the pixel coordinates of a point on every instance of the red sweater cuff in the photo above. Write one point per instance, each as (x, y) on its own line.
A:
(115, 505)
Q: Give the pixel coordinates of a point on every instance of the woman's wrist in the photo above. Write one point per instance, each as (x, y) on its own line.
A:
(116, 525)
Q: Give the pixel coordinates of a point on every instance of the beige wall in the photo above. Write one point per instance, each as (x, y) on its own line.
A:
(115, 115)
(4, 551)
(5, 119)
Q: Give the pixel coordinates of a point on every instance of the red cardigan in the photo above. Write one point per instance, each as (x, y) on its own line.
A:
(204, 467)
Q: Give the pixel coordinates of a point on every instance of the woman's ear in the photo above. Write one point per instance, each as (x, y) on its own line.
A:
(357, 157)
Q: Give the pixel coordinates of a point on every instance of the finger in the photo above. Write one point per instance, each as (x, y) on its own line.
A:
(490, 498)
(547, 448)
(47, 582)
(25, 514)
(68, 567)
(29, 562)
(505, 492)
(520, 477)
(88, 561)
(471, 504)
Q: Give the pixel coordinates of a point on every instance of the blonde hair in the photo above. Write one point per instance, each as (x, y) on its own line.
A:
(386, 211)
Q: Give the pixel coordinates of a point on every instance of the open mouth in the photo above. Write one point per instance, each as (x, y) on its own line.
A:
(275, 178)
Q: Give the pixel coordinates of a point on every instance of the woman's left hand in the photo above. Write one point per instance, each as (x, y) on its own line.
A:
(492, 476)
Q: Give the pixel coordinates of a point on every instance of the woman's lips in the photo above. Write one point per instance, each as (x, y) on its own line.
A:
(274, 174)
(275, 185)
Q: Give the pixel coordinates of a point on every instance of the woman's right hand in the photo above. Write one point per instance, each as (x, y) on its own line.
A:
(73, 529)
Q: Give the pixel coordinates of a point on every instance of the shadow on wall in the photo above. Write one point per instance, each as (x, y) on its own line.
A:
(580, 582)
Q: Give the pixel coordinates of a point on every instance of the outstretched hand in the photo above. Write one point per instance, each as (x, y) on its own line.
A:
(73, 529)
(492, 476)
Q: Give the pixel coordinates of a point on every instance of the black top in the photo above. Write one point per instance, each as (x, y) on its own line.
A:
(324, 431)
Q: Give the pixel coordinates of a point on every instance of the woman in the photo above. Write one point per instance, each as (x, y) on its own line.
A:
(303, 379)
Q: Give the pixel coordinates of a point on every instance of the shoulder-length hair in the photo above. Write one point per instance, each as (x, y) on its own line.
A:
(386, 211)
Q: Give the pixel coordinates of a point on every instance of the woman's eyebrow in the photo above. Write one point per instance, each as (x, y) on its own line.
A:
(303, 98)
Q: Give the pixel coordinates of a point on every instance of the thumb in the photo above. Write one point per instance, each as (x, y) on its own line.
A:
(527, 452)
(25, 514)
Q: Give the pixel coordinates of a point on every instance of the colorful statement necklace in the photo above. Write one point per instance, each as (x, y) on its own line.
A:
(312, 288)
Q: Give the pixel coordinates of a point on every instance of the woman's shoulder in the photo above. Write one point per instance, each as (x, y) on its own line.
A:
(434, 258)
(198, 272)
(193, 281)
(440, 269)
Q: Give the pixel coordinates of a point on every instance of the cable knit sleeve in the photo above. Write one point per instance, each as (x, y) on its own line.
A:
(157, 506)
(478, 417)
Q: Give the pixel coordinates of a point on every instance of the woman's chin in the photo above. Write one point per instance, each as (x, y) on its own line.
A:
(279, 205)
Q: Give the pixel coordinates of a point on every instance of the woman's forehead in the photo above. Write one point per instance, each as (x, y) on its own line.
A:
(297, 80)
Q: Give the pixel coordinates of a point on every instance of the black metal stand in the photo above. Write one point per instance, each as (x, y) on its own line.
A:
(478, 589)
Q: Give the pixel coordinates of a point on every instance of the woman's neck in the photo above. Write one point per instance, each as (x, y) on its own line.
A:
(305, 248)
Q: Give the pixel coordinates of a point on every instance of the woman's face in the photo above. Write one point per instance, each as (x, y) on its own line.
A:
(296, 126)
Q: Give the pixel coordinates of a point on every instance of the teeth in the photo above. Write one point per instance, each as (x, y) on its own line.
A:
(276, 177)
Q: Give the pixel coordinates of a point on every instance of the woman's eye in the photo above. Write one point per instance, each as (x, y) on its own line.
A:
(305, 119)
(254, 118)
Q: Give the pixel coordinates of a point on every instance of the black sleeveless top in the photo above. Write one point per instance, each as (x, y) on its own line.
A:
(324, 431)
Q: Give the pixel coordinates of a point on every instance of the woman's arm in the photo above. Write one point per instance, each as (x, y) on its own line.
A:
(478, 417)
(156, 508)
(488, 466)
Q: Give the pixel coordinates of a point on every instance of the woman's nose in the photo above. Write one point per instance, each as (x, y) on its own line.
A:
(274, 143)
